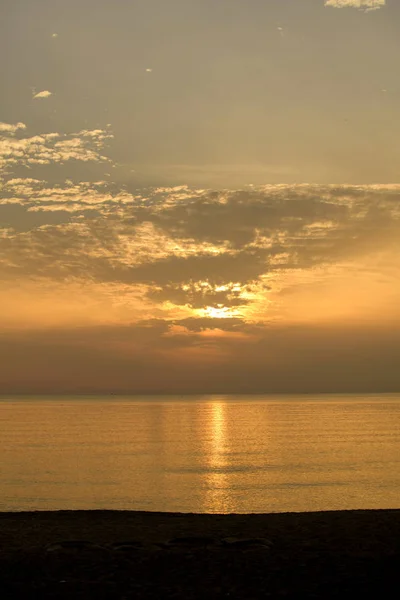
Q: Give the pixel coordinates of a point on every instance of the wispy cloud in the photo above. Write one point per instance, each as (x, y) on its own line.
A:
(11, 129)
(49, 148)
(360, 4)
(43, 94)
(40, 196)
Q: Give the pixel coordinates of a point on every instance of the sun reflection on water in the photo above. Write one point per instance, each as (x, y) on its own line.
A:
(217, 496)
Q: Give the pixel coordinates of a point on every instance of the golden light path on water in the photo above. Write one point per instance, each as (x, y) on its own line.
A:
(217, 491)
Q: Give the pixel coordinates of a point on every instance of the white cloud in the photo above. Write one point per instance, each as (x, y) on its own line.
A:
(361, 4)
(50, 148)
(37, 195)
(11, 129)
(44, 94)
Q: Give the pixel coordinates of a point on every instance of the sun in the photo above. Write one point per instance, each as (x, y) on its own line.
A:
(218, 312)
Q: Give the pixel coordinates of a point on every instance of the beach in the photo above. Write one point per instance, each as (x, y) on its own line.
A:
(123, 554)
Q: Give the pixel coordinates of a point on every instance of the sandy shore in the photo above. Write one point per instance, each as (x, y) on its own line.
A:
(118, 554)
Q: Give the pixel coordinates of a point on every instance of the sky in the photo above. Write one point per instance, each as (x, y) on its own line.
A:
(199, 196)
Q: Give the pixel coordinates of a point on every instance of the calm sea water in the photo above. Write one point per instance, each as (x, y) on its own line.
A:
(210, 454)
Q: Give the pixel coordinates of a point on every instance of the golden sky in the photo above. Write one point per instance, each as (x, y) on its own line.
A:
(200, 196)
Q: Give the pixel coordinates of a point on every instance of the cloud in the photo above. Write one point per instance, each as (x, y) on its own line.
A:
(298, 253)
(10, 128)
(43, 94)
(237, 286)
(247, 254)
(40, 196)
(360, 4)
(49, 148)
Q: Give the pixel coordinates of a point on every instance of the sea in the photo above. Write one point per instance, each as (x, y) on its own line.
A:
(208, 454)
